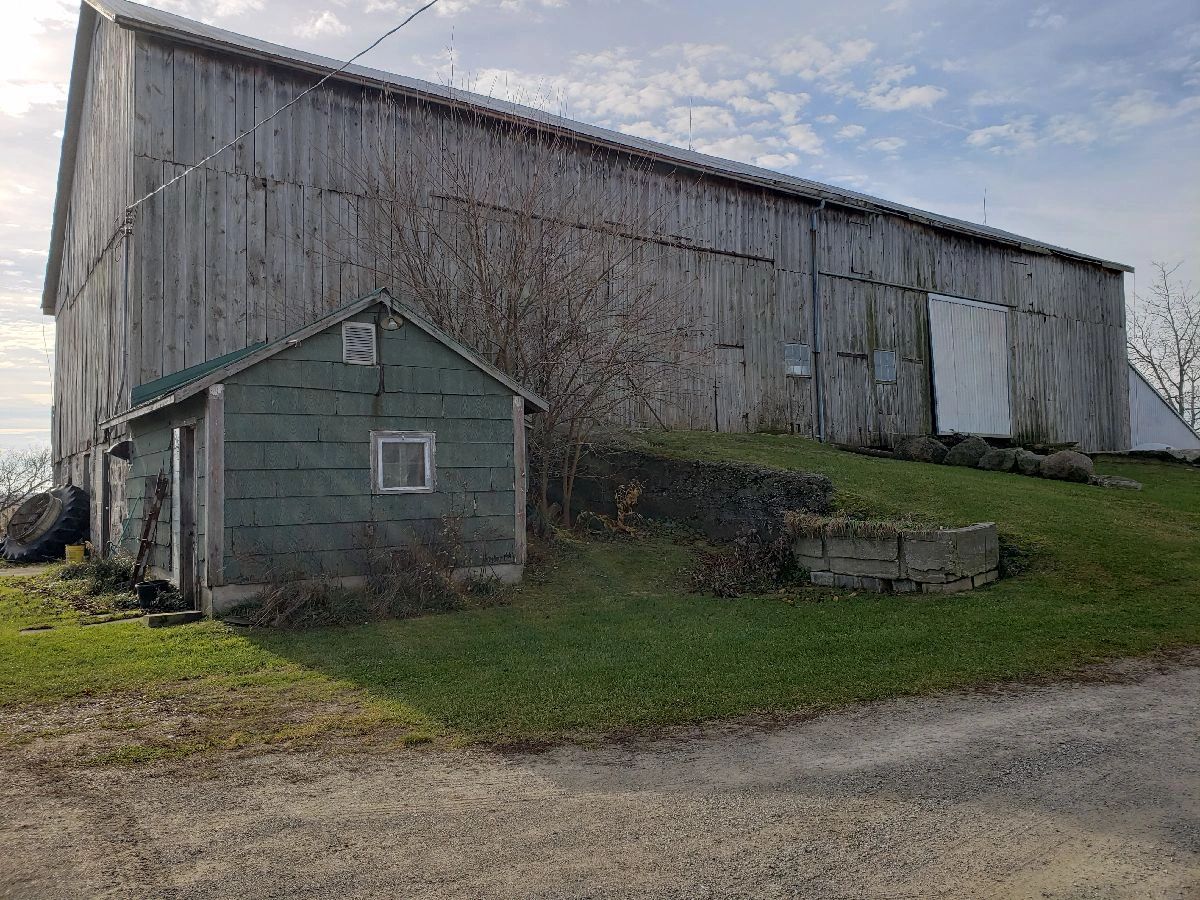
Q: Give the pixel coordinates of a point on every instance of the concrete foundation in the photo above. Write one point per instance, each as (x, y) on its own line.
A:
(939, 561)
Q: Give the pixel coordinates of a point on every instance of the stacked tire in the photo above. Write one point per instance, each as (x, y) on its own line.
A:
(44, 524)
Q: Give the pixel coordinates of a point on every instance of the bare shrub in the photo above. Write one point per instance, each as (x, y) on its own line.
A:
(23, 473)
(524, 246)
(400, 583)
(747, 565)
(1164, 340)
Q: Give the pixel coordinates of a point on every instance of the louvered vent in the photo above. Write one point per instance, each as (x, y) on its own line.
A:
(358, 343)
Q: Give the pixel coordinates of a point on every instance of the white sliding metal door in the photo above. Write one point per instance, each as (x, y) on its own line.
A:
(970, 366)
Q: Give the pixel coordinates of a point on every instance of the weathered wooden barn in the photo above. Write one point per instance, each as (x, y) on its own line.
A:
(816, 310)
(311, 455)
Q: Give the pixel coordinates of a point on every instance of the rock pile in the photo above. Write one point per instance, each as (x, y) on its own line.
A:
(975, 452)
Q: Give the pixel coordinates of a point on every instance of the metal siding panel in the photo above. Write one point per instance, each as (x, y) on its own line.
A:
(970, 367)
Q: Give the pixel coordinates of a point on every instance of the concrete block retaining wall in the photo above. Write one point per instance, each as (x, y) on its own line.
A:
(945, 560)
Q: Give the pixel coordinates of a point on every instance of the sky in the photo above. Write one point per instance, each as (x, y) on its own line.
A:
(1079, 121)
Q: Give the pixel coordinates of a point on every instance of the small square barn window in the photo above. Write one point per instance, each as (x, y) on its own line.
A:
(358, 343)
(402, 462)
(797, 359)
(885, 365)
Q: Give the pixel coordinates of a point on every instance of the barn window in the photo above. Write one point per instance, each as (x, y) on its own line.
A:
(358, 343)
(402, 462)
(797, 359)
(885, 365)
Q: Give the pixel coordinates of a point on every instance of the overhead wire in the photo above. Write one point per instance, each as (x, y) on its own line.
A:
(162, 187)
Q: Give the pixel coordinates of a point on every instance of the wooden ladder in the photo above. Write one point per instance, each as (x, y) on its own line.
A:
(149, 522)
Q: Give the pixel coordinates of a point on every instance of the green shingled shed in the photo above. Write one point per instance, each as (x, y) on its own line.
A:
(301, 457)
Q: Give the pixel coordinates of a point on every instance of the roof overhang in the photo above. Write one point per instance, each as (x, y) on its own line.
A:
(136, 17)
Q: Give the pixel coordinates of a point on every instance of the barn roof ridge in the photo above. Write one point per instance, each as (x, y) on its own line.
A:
(179, 386)
(137, 17)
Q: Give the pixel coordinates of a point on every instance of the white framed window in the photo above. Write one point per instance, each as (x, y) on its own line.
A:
(885, 365)
(358, 343)
(797, 360)
(402, 462)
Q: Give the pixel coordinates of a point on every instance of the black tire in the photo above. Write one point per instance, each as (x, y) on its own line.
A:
(45, 539)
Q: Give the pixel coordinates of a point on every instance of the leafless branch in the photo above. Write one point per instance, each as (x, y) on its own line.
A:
(23, 473)
(1164, 340)
(530, 250)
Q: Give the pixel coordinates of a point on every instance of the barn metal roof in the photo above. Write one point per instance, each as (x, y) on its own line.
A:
(153, 21)
(179, 386)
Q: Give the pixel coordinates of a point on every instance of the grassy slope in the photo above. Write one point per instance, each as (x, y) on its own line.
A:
(606, 638)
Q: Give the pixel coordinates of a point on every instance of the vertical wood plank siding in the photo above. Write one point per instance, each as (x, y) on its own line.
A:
(256, 244)
(94, 370)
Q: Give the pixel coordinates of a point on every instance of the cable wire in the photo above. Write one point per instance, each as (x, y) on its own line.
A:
(293, 101)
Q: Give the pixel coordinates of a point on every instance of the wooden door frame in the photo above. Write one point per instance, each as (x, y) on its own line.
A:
(185, 481)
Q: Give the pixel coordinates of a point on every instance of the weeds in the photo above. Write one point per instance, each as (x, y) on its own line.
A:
(747, 565)
(400, 583)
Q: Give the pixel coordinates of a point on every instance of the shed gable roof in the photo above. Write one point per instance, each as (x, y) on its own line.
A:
(178, 386)
(153, 21)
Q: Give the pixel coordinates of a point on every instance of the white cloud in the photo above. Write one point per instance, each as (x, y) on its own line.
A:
(812, 59)
(650, 131)
(827, 119)
(18, 97)
(1071, 129)
(747, 148)
(1045, 17)
(886, 145)
(777, 160)
(1007, 137)
(788, 104)
(900, 97)
(802, 137)
(888, 94)
(317, 25)
(1005, 96)
(850, 131)
(700, 120)
(1142, 108)
(457, 7)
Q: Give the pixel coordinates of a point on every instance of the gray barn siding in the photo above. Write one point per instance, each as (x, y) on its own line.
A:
(92, 378)
(297, 457)
(265, 239)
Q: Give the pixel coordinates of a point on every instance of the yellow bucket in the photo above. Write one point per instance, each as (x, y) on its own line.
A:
(74, 552)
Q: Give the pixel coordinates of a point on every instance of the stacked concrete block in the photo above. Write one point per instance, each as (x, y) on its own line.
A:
(944, 560)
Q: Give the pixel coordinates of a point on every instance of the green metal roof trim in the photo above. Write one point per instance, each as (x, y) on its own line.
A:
(160, 387)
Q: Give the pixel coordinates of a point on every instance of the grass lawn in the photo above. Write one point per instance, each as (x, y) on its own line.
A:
(603, 636)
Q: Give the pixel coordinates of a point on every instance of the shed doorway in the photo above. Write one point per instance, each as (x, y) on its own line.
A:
(183, 513)
(969, 352)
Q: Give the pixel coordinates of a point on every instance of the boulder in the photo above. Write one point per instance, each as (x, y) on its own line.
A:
(1068, 465)
(920, 448)
(1116, 481)
(1028, 463)
(998, 460)
(967, 453)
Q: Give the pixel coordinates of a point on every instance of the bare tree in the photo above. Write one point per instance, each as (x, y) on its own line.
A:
(23, 473)
(526, 248)
(1164, 340)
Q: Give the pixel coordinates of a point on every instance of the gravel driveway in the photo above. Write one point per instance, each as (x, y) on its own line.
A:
(1081, 790)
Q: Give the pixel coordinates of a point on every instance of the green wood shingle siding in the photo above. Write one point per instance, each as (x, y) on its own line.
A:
(299, 499)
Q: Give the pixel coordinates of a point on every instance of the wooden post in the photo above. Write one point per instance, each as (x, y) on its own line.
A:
(520, 478)
(185, 527)
(214, 505)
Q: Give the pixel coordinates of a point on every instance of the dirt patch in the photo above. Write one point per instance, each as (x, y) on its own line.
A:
(1059, 790)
